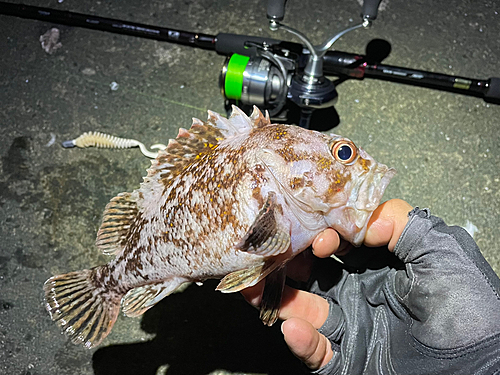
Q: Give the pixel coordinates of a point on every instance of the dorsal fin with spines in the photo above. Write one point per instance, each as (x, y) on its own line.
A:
(189, 145)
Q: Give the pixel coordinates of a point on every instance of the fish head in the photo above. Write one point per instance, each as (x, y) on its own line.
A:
(327, 181)
(362, 182)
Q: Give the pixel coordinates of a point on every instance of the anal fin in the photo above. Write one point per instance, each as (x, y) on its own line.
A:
(271, 297)
(142, 298)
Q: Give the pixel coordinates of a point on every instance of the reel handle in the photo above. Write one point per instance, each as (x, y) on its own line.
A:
(370, 9)
(276, 10)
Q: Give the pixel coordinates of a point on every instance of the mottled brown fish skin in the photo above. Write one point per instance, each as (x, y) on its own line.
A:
(230, 198)
(211, 191)
(206, 198)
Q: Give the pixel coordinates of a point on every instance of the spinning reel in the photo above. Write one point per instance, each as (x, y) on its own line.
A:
(275, 75)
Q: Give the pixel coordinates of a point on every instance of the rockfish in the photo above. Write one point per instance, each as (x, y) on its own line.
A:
(229, 198)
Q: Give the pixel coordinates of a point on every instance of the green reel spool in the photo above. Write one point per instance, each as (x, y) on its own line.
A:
(232, 75)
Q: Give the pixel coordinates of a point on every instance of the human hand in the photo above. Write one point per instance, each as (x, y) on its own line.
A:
(384, 228)
(304, 313)
(439, 308)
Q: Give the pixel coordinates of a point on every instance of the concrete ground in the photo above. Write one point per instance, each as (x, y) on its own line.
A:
(445, 147)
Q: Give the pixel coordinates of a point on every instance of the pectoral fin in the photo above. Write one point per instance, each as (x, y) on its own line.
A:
(271, 298)
(269, 235)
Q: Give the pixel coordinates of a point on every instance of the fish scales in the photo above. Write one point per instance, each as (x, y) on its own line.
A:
(229, 198)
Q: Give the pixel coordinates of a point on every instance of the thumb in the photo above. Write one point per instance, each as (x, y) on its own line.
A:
(387, 223)
(306, 343)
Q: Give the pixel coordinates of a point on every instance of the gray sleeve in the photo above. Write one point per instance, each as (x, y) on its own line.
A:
(439, 313)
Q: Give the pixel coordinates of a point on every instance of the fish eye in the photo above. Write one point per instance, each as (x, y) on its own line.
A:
(344, 151)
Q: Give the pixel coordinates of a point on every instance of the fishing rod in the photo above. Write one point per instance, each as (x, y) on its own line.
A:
(273, 74)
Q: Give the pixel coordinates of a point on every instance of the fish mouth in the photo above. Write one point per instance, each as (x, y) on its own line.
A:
(365, 197)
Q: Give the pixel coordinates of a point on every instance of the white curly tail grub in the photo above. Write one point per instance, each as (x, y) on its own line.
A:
(101, 140)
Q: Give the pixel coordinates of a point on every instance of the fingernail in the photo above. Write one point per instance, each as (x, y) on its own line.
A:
(316, 241)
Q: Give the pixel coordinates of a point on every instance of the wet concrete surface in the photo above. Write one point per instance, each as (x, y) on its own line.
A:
(445, 147)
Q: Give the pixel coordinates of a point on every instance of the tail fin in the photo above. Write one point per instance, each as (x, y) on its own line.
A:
(85, 312)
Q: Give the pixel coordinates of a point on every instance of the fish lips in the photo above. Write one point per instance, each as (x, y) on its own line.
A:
(365, 197)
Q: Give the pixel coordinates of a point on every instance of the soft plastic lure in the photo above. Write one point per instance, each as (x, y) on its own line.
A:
(101, 140)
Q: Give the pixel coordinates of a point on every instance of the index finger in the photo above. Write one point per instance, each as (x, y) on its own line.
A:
(295, 304)
(387, 223)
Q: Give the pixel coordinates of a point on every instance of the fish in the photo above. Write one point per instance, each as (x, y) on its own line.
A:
(233, 199)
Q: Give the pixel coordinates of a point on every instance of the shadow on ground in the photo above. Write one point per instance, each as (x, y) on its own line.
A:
(218, 331)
